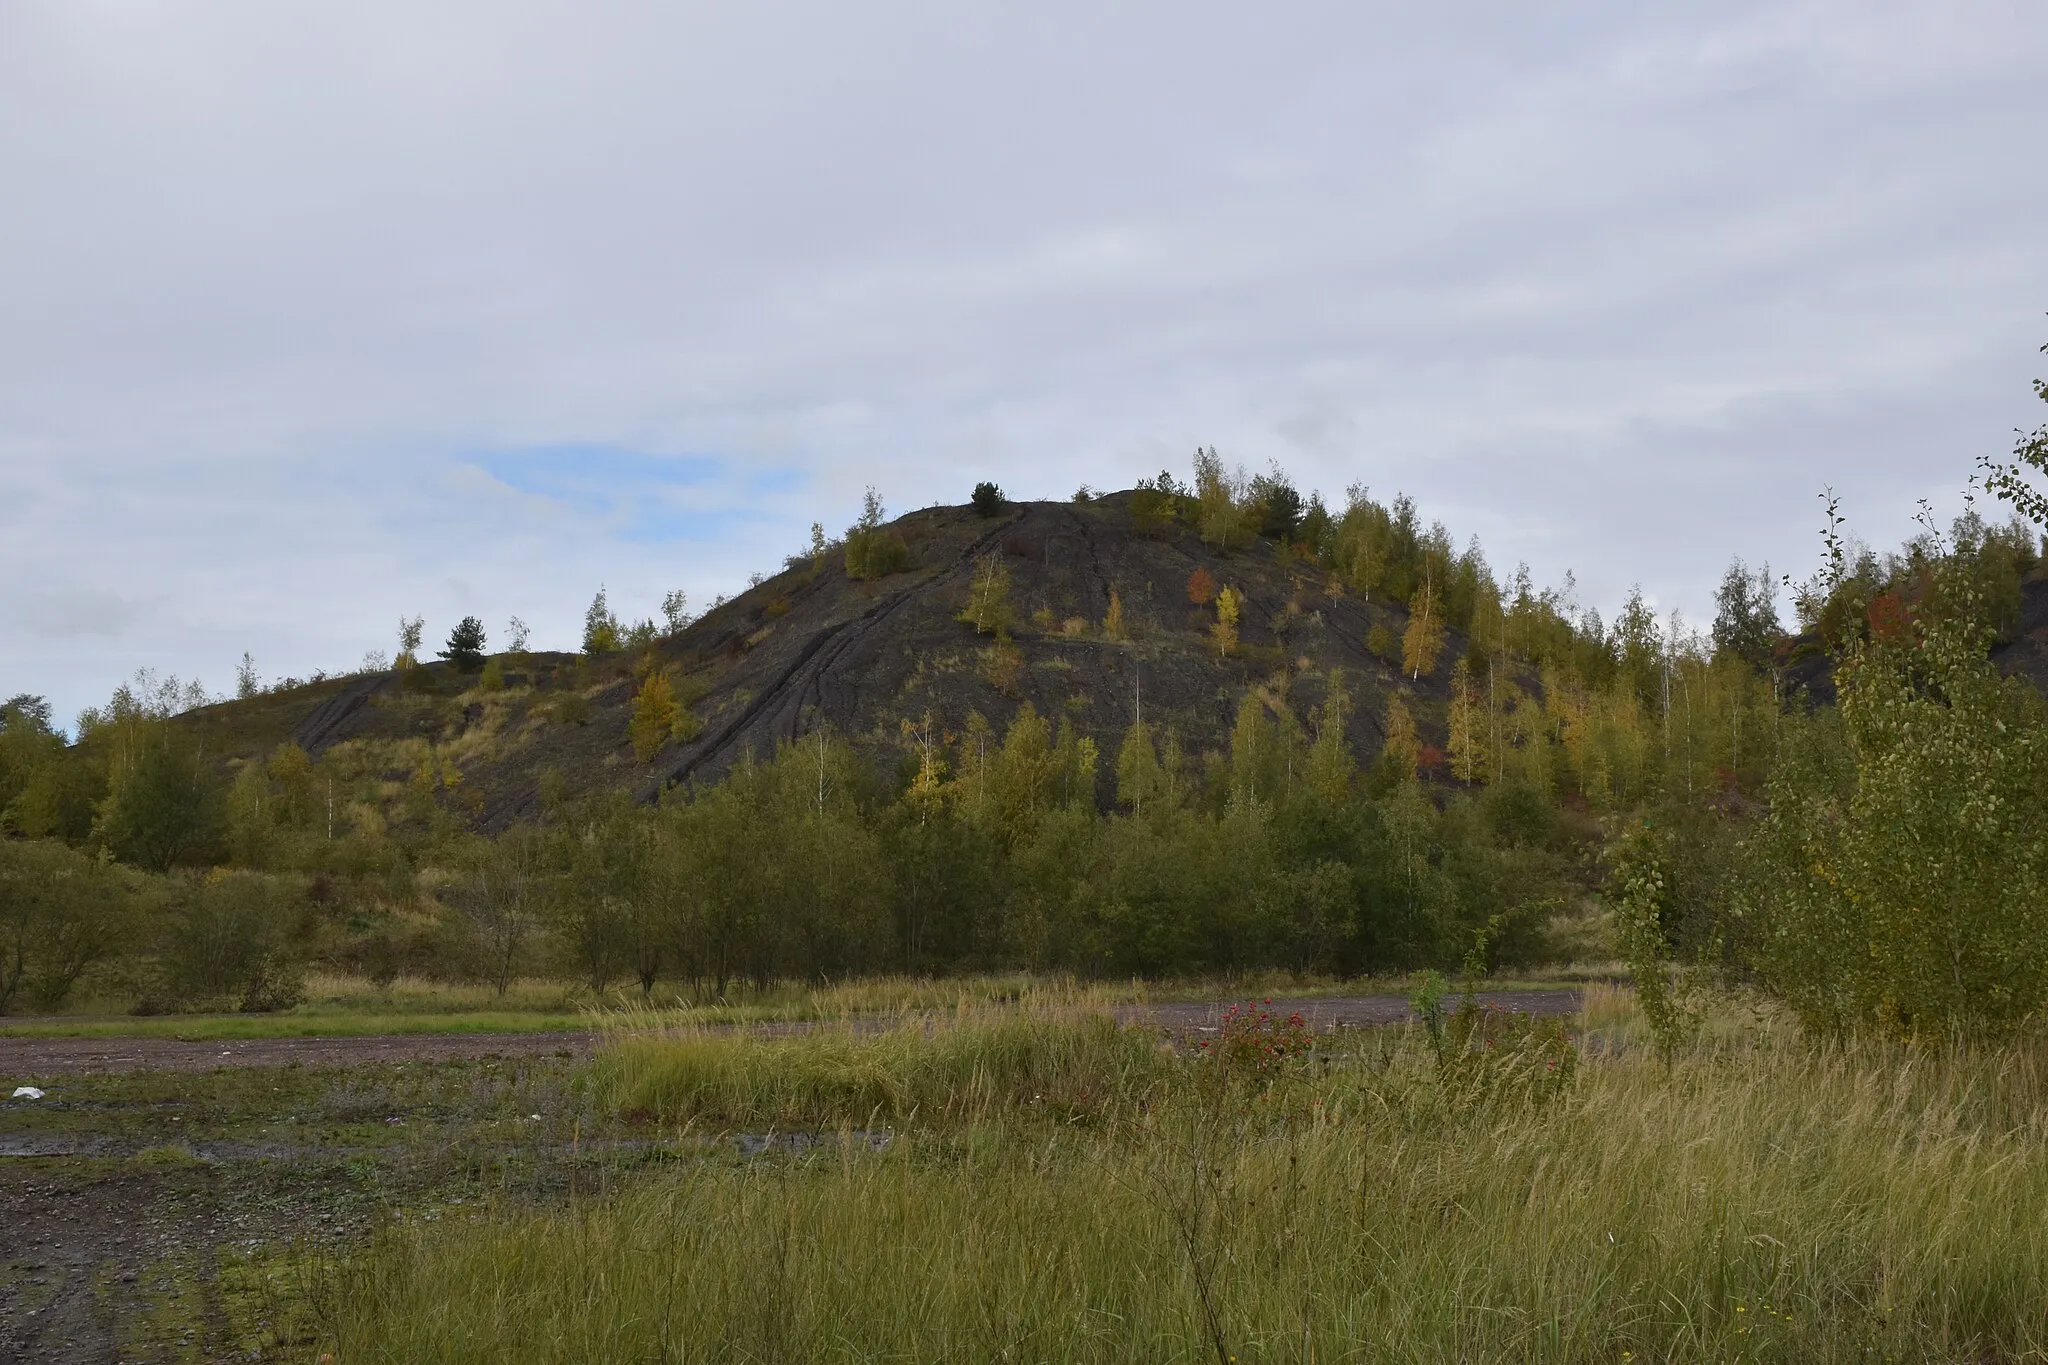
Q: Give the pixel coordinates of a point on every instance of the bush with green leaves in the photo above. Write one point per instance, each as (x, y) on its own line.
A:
(872, 550)
(230, 939)
(1900, 879)
(601, 633)
(877, 553)
(161, 805)
(1637, 890)
(61, 912)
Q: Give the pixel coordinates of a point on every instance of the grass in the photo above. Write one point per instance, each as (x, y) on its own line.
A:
(1370, 1199)
(962, 1071)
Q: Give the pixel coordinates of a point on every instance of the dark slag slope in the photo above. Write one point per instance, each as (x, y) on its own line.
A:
(813, 646)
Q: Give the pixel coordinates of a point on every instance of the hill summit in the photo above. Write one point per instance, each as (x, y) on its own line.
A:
(1093, 614)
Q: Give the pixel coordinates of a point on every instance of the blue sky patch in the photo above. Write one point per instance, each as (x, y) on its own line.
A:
(644, 497)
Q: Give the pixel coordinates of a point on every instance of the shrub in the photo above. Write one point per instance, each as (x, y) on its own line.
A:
(60, 913)
(987, 500)
(1254, 1048)
(1152, 509)
(876, 553)
(229, 940)
(1636, 891)
(1901, 874)
(1002, 666)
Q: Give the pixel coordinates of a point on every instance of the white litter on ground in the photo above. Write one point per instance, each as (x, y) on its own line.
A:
(26, 1092)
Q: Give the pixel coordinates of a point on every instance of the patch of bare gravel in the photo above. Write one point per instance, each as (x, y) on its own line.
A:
(24, 1060)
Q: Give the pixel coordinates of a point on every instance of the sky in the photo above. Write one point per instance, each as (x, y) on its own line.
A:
(314, 316)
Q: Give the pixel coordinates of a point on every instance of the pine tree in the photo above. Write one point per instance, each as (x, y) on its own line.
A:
(465, 648)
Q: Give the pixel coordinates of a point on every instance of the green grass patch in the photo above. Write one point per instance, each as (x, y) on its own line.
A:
(965, 1070)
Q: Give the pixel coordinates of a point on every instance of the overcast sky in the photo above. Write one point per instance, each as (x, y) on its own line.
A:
(316, 315)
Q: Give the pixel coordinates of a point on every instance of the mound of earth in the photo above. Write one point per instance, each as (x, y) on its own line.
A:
(814, 646)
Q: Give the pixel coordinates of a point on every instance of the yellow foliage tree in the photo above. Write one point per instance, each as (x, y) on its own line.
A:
(1468, 727)
(655, 716)
(1229, 602)
(988, 599)
(292, 771)
(1424, 638)
(925, 740)
(1113, 623)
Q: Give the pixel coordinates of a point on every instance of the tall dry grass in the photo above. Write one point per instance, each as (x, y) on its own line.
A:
(1756, 1200)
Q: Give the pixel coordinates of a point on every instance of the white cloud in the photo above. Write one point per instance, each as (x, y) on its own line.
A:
(1616, 288)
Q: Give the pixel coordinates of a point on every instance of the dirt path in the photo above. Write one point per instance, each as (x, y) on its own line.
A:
(24, 1060)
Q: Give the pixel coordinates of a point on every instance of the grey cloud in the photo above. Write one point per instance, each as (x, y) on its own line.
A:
(73, 611)
(1617, 288)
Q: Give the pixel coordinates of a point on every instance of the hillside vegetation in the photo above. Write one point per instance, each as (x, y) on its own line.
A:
(1203, 727)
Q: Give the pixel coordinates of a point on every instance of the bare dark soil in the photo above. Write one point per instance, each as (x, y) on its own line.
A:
(30, 1058)
(176, 1215)
(26, 1061)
